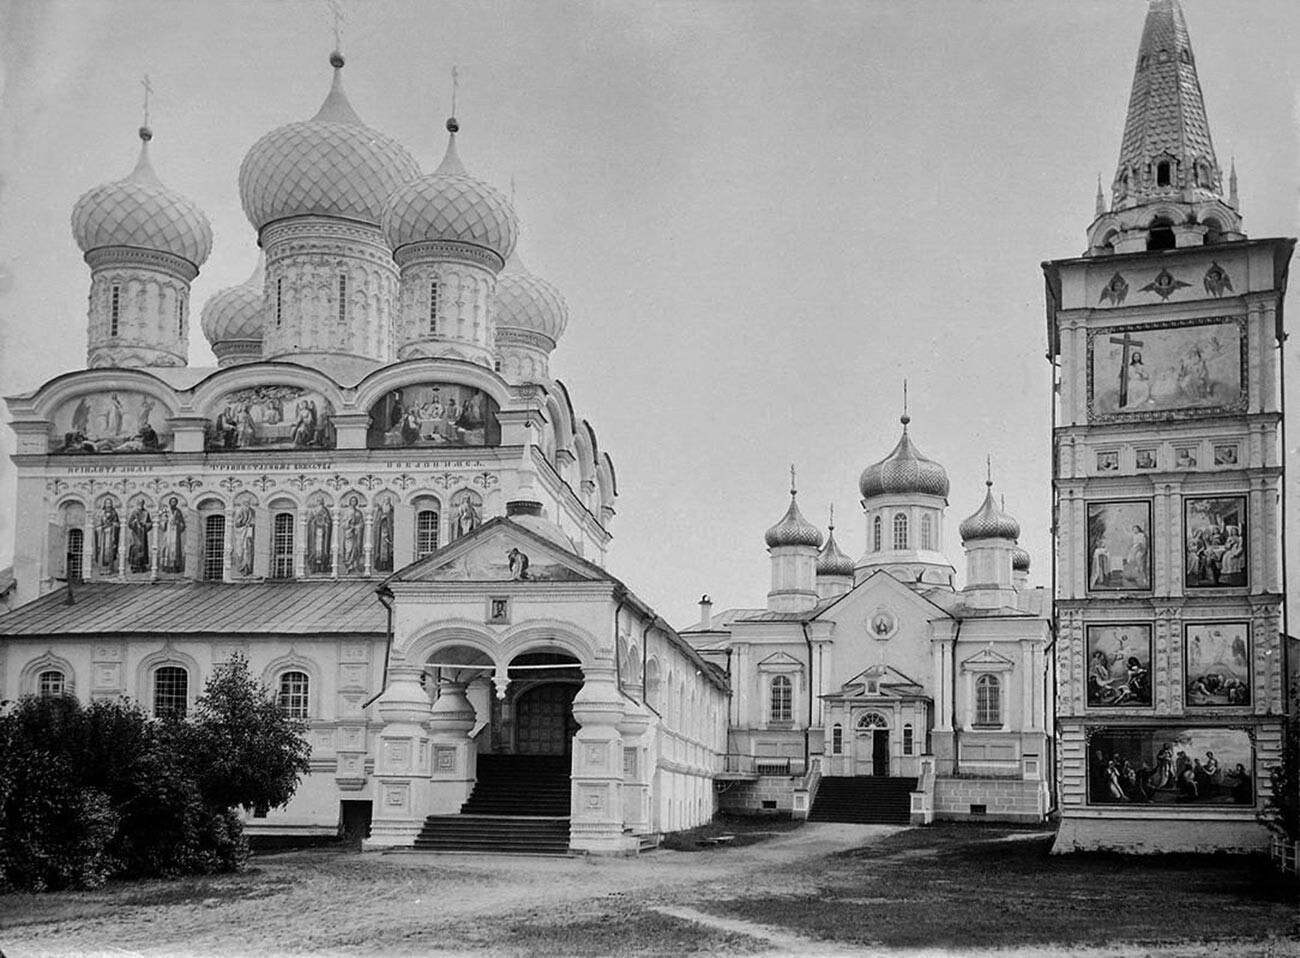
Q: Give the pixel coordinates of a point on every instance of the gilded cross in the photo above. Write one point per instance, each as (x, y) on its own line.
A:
(148, 89)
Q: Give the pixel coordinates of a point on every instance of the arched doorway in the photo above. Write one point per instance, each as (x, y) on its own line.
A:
(871, 753)
(544, 723)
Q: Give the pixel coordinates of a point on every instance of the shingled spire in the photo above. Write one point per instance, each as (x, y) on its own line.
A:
(1168, 188)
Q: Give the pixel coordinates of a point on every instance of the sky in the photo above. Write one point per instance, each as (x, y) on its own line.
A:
(764, 215)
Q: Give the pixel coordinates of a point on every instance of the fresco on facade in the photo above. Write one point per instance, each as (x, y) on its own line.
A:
(243, 535)
(352, 537)
(1119, 665)
(1217, 664)
(118, 421)
(1142, 370)
(139, 523)
(1119, 546)
(466, 513)
(1170, 766)
(171, 536)
(434, 414)
(1214, 538)
(108, 536)
(272, 417)
(496, 562)
(382, 533)
(320, 535)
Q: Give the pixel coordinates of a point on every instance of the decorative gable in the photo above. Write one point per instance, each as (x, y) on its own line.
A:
(881, 680)
(987, 660)
(501, 551)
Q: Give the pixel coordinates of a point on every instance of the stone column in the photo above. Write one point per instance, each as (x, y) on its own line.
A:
(455, 756)
(596, 815)
(228, 545)
(636, 776)
(402, 774)
(300, 545)
(368, 547)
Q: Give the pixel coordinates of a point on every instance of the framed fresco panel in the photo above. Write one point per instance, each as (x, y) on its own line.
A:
(1214, 543)
(1178, 766)
(1119, 666)
(1173, 370)
(111, 421)
(1119, 546)
(271, 417)
(1216, 664)
(434, 414)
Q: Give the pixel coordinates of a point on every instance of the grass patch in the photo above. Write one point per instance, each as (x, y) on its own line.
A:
(746, 831)
(618, 931)
(981, 886)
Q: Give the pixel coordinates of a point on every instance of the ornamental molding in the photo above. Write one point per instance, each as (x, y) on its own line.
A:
(417, 253)
(508, 336)
(107, 257)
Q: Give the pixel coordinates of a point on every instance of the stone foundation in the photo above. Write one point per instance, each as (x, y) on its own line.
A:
(771, 795)
(1003, 799)
(1150, 835)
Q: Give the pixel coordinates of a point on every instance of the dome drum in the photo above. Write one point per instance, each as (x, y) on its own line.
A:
(106, 257)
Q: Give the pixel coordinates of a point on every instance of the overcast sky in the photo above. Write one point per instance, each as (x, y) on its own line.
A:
(764, 215)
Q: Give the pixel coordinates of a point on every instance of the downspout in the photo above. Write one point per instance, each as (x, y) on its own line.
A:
(1286, 625)
(618, 659)
(645, 662)
(386, 598)
(1049, 680)
(956, 736)
(807, 731)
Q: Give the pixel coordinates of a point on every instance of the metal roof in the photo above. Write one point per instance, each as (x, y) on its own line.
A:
(290, 607)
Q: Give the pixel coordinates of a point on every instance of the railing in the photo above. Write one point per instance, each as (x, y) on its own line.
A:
(922, 809)
(806, 792)
(735, 764)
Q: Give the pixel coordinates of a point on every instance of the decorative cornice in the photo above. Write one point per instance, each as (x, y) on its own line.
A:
(416, 253)
(106, 257)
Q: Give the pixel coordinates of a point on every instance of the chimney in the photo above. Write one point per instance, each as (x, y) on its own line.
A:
(706, 612)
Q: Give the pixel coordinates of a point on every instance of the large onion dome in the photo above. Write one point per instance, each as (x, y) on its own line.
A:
(528, 302)
(989, 521)
(793, 529)
(330, 165)
(451, 206)
(236, 314)
(142, 213)
(831, 561)
(1019, 559)
(905, 471)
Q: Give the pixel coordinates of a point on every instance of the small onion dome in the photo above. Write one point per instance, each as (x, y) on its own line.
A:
(1019, 559)
(526, 301)
(451, 206)
(330, 165)
(905, 471)
(237, 312)
(142, 213)
(989, 522)
(793, 530)
(831, 561)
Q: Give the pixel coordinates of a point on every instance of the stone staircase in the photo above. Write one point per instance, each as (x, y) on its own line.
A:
(519, 806)
(863, 799)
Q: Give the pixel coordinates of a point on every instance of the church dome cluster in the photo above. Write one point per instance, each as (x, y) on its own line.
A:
(140, 212)
(451, 206)
(905, 471)
(331, 165)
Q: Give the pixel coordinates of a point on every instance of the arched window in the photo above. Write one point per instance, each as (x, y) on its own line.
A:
(279, 300)
(837, 739)
(909, 740)
(426, 532)
(900, 530)
(214, 547)
(293, 694)
(876, 534)
(75, 557)
(343, 297)
(872, 720)
(180, 314)
(988, 701)
(1163, 173)
(282, 546)
(433, 307)
(927, 531)
(782, 705)
(171, 690)
(114, 308)
(51, 682)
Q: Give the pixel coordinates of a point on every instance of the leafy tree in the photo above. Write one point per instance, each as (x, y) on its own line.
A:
(248, 752)
(1281, 814)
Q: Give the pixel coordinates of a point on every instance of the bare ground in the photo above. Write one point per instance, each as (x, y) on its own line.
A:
(758, 899)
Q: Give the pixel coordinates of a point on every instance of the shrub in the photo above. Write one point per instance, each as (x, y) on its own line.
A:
(1281, 813)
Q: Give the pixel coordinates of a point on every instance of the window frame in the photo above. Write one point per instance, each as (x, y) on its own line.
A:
(780, 706)
(42, 691)
(987, 707)
(295, 702)
(420, 533)
(877, 534)
(172, 670)
(75, 558)
(115, 310)
(214, 529)
(283, 560)
(927, 531)
(901, 531)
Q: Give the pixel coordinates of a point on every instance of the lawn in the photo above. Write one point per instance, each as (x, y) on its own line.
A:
(968, 886)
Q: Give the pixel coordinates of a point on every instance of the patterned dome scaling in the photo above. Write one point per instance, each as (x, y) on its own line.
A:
(989, 522)
(832, 561)
(140, 212)
(905, 471)
(1019, 559)
(331, 165)
(451, 206)
(528, 302)
(793, 529)
(233, 317)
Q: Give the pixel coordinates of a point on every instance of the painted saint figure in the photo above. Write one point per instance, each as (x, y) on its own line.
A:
(352, 558)
(467, 518)
(138, 526)
(383, 534)
(171, 538)
(245, 531)
(320, 539)
(108, 537)
(518, 564)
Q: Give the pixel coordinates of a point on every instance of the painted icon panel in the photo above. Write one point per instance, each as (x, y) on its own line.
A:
(1119, 665)
(272, 417)
(1119, 546)
(1214, 541)
(1177, 766)
(1217, 664)
(434, 414)
(1153, 370)
(118, 421)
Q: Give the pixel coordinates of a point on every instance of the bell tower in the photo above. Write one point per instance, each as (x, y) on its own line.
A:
(1166, 341)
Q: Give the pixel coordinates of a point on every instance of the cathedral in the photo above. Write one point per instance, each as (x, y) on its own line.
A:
(384, 501)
